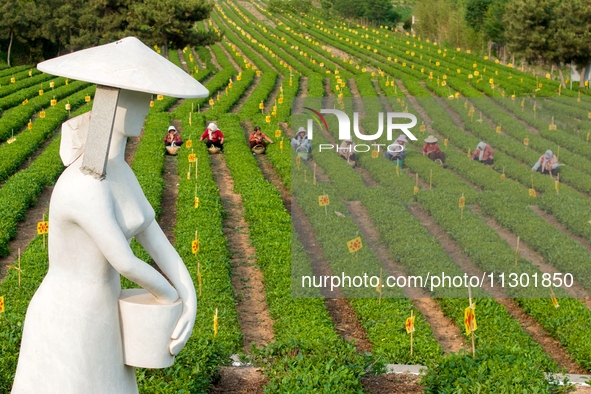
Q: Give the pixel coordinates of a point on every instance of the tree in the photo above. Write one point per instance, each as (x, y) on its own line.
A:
(14, 22)
(164, 22)
(552, 32)
(476, 11)
(377, 10)
(573, 32)
(327, 7)
(493, 24)
(349, 9)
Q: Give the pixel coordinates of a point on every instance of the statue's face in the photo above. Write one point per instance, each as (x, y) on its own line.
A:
(132, 108)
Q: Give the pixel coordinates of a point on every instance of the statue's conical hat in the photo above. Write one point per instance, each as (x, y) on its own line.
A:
(126, 64)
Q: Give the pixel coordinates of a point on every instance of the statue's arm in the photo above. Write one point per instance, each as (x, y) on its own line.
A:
(95, 215)
(157, 245)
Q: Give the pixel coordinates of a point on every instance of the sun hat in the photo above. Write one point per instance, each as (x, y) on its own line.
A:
(212, 126)
(548, 155)
(431, 139)
(126, 72)
(301, 130)
(171, 128)
(401, 137)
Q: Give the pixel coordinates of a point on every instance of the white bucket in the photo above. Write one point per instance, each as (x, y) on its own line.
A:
(146, 328)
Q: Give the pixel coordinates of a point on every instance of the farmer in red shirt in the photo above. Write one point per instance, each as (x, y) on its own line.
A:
(484, 153)
(431, 150)
(213, 136)
(258, 138)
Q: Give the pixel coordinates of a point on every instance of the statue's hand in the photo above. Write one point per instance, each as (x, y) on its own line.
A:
(182, 331)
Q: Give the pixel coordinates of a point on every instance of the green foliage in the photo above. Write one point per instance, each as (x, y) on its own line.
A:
(495, 369)
(170, 22)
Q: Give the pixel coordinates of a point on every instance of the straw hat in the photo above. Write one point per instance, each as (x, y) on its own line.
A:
(431, 139)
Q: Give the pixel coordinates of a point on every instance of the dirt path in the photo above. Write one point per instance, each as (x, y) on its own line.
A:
(214, 60)
(554, 222)
(167, 218)
(26, 230)
(343, 317)
(257, 14)
(550, 345)
(197, 59)
(241, 43)
(25, 164)
(271, 100)
(236, 107)
(392, 384)
(253, 313)
(183, 61)
(237, 66)
(446, 333)
(298, 104)
(239, 380)
(575, 291)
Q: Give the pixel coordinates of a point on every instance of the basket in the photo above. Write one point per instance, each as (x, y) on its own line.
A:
(303, 155)
(172, 149)
(146, 328)
(258, 149)
(213, 149)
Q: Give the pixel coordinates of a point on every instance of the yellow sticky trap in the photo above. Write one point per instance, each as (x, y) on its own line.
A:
(42, 227)
(502, 177)
(323, 200)
(416, 189)
(277, 133)
(87, 98)
(160, 97)
(189, 143)
(195, 246)
(192, 158)
(196, 202)
(375, 154)
(532, 193)
(40, 92)
(151, 103)
(42, 114)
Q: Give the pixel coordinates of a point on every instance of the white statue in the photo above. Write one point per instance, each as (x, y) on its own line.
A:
(72, 338)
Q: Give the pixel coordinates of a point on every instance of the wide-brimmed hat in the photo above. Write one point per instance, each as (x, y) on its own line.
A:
(548, 154)
(212, 126)
(171, 128)
(401, 137)
(126, 64)
(431, 139)
(301, 130)
(126, 72)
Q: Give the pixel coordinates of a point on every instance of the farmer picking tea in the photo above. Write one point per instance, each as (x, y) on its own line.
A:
(484, 153)
(432, 151)
(213, 137)
(257, 141)
(301, 143)
(547, 164)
